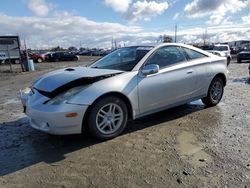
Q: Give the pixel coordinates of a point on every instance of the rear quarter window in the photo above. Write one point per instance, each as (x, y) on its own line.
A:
(192, 54)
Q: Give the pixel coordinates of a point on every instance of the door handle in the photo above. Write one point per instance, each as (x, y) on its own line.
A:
(190, 71)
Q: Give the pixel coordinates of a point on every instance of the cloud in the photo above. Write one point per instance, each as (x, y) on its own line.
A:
(118, 5)
(198, 8)
(176, 16)
(64, 30)
(246, 19)
(67, 30)
(145, 10)
(217, 10)
(39, 7)
(133, 10)
(215, 34)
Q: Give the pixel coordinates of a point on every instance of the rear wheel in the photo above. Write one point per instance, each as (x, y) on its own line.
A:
(108, 118)
(228, 61)
(215, 92)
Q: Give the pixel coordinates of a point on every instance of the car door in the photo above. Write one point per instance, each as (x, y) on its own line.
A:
(60, 56)
(200, 62)
(65, 56)
(173, 84)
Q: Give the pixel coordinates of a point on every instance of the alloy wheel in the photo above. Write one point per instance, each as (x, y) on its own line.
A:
(216, 91)
(109, 118)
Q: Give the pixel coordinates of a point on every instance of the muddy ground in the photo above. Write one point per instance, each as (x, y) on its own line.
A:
(188, 146)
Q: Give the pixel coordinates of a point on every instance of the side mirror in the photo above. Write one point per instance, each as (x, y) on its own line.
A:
(150, 69)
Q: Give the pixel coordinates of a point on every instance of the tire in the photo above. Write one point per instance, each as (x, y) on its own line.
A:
(39, 60)
(228, 61)
(107, 118)
(238, 60)
(215, 92)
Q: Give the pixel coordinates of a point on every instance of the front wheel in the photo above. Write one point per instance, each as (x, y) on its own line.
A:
(215, 92)
(39, 60)
(108, 118)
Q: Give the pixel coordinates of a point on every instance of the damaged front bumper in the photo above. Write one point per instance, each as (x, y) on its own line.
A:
(52, 119)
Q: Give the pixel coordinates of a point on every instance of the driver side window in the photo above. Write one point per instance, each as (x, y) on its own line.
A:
(166, 56)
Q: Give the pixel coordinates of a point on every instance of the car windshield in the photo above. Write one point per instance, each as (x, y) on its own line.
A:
(220, 48)
(123, 59)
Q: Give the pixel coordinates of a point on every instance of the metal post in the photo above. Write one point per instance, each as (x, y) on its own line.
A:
(26, 51)
(9, 58)
(20, 57)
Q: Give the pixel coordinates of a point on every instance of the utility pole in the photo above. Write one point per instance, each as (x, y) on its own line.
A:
(115, 44)
(175, 34)
(205, 36)
(112, 43)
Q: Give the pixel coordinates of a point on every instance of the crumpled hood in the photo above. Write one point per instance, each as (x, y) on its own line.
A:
(71, 77)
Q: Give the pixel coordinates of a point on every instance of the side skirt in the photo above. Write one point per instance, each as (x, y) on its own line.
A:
(168, 106)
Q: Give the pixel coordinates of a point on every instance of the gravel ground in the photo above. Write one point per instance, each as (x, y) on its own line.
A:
(188, 146)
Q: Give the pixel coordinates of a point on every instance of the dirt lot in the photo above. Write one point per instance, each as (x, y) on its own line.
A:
(188, 146)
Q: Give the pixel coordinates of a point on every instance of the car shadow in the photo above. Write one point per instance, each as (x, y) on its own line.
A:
(21, 146)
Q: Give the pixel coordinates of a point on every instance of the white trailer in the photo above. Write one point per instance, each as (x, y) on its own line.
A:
(9, 49)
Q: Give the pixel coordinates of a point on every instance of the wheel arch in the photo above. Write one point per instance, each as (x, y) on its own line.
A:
(222, 76)
(116, 94)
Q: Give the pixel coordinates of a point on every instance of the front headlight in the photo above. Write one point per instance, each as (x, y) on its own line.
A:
(65, 96)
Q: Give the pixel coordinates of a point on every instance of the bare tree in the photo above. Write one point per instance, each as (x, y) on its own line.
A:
(72, 48)
(58, 48)
(81, 49)
(167, 38)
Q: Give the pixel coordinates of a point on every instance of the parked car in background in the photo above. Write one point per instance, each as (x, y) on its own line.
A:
(129, 83)
(222, 54)
(84, 52)
(37, 57)
(97, 52)
(223, 51)
(236, 49)
(206, 47)
(61, 56)
(243, 55)
(249, 70)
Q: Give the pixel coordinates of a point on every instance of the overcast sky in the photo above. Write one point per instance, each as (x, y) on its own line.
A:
(93, 23)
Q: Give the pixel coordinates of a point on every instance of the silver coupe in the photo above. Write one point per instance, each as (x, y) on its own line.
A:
(129, 83)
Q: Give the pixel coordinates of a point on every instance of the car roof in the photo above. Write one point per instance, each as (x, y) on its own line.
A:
(137, 67)
(141, 46)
